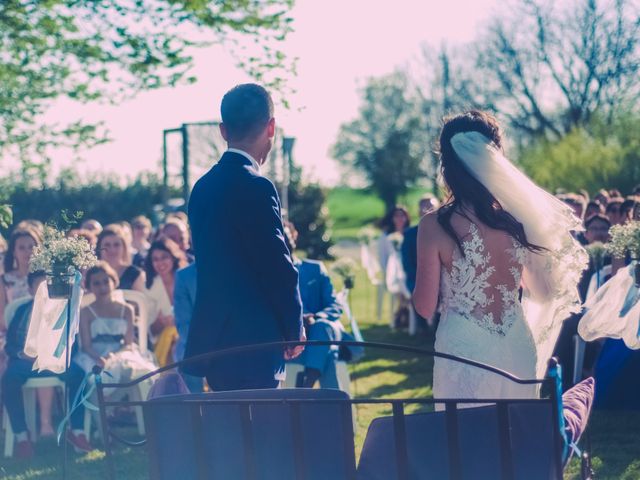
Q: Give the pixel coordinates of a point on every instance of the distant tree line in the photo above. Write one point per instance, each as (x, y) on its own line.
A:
(562, 76)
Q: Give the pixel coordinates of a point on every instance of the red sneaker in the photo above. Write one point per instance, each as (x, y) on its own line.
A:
(79, 442)
(23, 450)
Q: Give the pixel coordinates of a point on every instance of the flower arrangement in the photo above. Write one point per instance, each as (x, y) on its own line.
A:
(597, 251)
(366, 235)
(625, 239)
(61, 257)
(58, 251)
(396, 240)
(345, 268)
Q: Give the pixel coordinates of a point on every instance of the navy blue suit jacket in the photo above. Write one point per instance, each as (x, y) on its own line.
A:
(409, 251)
(247, 286)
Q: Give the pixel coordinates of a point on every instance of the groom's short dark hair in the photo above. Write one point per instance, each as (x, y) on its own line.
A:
(246, 109)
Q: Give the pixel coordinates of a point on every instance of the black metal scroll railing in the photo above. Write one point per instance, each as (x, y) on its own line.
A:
(397, 405)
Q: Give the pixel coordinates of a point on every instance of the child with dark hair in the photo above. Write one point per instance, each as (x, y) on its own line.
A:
(19, 370)
(106, 325)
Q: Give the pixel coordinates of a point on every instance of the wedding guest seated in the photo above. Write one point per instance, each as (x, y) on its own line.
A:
(321, 316)
(627, 208)
(593, 208)
(178, 231)
(576, 202)
(92, 225)
(141, 226)
(88, 235)
(19, 370)
(597, 230)
(184, 298)
(602, 197)
(164, 259)
(613, 210)
(113, 248)
(23, 240)
(32, 224)
(106, 325)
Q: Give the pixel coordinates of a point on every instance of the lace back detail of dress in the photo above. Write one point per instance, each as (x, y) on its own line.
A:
(483, 284)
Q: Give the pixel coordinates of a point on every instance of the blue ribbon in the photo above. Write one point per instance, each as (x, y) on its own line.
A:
(631, 299)
(81, 398)
(62, 320)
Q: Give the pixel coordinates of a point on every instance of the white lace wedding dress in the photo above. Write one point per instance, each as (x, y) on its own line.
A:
(482, 319)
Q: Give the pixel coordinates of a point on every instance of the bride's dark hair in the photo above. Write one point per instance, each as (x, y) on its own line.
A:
(464, 189)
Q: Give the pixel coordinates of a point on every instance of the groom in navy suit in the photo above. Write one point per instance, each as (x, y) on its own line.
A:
(247, 290)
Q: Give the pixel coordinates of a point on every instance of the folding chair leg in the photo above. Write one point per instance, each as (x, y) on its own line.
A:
(30, 406)
(579, 346)
(9, 437)
(393, 311)
(140, 394)
(87, 423)
(380, 301)
(413, 321)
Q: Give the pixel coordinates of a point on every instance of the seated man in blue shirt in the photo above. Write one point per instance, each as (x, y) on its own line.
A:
(321, 315)
(19, 370)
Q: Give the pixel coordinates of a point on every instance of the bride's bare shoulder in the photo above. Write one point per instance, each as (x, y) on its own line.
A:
(430, 226)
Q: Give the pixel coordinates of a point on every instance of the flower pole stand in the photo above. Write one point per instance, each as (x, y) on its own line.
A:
(60, 285)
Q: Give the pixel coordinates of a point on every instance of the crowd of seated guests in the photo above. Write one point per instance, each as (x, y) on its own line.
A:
(133, 256)
(613, 365)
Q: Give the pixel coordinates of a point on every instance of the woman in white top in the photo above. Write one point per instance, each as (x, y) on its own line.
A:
(163, 260)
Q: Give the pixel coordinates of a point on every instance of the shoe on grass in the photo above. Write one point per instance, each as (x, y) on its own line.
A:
(23, 450)
(79, 442)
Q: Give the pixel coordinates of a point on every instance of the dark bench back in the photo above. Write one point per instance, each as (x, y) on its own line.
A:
(200, 436)
(429, 453)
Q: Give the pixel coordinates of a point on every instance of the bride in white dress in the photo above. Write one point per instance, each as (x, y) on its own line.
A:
(500, 262)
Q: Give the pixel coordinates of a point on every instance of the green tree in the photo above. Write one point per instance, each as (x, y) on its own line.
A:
(88, 50)
(601, 155)
(549, 67)
(388, 143)
(309, 213)
(103, 197)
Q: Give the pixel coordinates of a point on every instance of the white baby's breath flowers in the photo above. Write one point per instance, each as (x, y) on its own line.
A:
(58, 251)
(396, 240)
(366, 235)
(345, 268)
(625, 239)
(596, 251)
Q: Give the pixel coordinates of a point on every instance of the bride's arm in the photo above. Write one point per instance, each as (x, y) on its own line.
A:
(425, 294)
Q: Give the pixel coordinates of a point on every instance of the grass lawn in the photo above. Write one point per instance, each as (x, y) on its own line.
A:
(614, 436)
(351, 209)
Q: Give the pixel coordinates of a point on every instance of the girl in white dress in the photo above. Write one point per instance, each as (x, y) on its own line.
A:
(498, 233)
(106, 329)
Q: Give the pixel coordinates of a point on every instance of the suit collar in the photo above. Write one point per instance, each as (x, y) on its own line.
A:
(239, 157)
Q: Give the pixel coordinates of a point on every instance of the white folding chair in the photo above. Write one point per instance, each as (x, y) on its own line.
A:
(139, 302)
(579, 345)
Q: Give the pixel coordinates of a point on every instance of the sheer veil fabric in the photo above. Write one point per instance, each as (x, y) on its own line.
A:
(549, 277)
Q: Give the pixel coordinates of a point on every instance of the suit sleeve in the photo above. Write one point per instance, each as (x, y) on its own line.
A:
(183, 309)
(262, 233)
(409, 257)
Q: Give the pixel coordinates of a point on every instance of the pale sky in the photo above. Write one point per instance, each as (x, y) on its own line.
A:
(340, 43)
